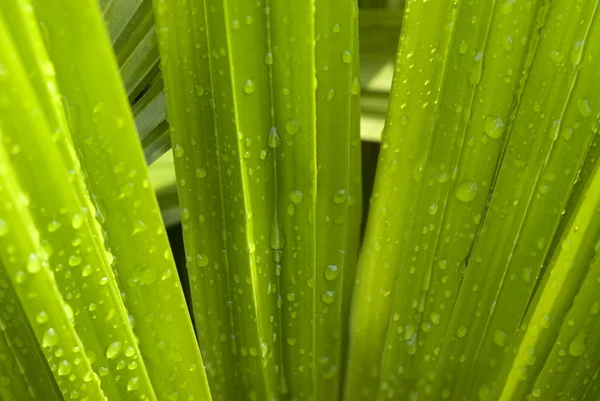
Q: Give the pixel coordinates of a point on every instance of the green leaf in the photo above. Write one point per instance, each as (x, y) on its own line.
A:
(27, 266)
(25, 374)
(390, 212)
(486, 94)
(118, 14)
(279, 177)
(105, 135)
(560, 100)
(67, 231)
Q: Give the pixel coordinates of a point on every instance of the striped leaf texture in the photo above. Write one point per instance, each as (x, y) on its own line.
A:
(473, 282)
(81, 238)
(263, 110)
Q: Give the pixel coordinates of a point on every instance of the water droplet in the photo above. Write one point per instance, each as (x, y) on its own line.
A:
(536, 393)
(249, 87)
(77, 221)
(463, 47)
(340, 196)
(53, 226)
(331, 272)
(476, 71)
(201, 260)
(499, 338)
(200, 172)
(64, 368)
(530, 357)
(577, 345)
(461, 332)
(86, 271)
(292, 127)
(277, 238)
(433, 208)
(328, 297)
(133, 384)
(556, 56)
(443, 264)
(330, 95)
(291, 341)
(355, 89)
(41, 317)
(296, 196)
(336, 28)
(347, 57)
(274, 140)
(199, 90)
(269, 58)
(33, 264)
(584, 107)
(494, 127)
(50, 338)
(409, 331)
(74, 260)
(113, 350)
(178, 151)
(577, 52)
(466, 191)
(507, 43)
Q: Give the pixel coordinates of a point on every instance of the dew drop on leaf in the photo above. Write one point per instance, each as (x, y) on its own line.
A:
(53, 226)
(77, 221)
(347, 57)
(499, 338)
(269, 58)
(33, 264)
(133, 384)
(113, 350)
(201, 260)
(340, 196)
(50, 338)
(494, 127)
(249, 87)
(274, 140)
(466, 191)
(577, 53)
(292, 127)
(331, 272)
(328, 297)
(41, 317)
(355, 88)
(584, 107)
(178, 151)
(64, 368)
(577, 345)
(74, 260)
